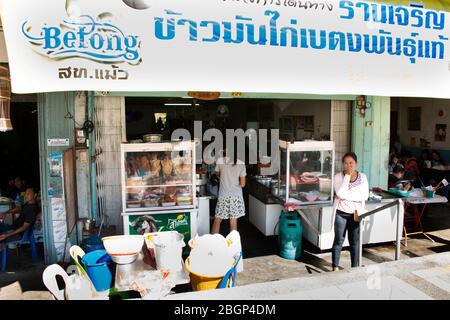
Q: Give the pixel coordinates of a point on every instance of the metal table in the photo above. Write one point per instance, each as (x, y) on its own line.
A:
(5, 206)
(133, 270)
(414, 202)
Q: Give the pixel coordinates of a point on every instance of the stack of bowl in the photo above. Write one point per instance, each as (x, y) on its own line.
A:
(123, 249)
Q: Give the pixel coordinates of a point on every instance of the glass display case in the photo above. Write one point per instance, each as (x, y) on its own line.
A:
(158, 176)
(306, 174)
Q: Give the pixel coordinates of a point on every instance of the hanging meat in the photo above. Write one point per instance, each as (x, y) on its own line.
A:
(167, 166)
(155, 165)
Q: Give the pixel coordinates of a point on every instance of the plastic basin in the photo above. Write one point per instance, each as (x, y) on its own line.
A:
(126, 245)
(200, 282)
(100, 273)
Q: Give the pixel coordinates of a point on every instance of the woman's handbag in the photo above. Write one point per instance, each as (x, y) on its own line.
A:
(355, 216)
(214, 180)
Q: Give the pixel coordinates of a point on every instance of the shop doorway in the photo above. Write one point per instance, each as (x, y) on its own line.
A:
(419, 138)
(296, 119)
(394, 126)
(19, 169)
(20, 147)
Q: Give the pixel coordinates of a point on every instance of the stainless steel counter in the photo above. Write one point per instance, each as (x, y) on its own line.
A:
(262, 192)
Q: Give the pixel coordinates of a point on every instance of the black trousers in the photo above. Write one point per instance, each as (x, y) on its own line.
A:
(344, 222)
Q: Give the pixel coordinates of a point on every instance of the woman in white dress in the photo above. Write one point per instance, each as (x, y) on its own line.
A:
(230, 204)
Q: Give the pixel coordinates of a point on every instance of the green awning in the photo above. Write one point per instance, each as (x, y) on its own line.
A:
(429, 4)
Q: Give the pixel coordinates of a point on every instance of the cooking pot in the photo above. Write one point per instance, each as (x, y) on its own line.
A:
(154, 138)
(201, 190)
(264, 181)
(201, 176)
(275, 189)
(88, 225)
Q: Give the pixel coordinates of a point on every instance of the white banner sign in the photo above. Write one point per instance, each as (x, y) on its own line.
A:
(279, 46)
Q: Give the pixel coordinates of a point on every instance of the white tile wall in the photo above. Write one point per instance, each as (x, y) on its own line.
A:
(108, 112)
(58, 211)
(109, 103)
(110, 142)
(113, 160)
(111, 177)
(113, 130)
(341, 129)
(59, 230)
(60, 251)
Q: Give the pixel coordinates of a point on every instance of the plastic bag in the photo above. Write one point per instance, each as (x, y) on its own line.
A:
(236, 248)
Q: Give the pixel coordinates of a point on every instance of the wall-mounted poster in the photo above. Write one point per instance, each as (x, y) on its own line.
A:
(414, 118)
(440, 132)
(300, 123)
(55, 163)
(286, 124)
(309, 123)
(304, 123)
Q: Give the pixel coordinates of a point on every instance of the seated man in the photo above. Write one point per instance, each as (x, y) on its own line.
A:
(395, 161)
(15, 188)
(27, 217)
(436, 160)
(411, 166)
(395, 179)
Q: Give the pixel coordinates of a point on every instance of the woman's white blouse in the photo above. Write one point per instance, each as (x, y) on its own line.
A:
(351, 195)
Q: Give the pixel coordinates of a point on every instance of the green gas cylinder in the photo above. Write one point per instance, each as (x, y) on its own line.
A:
(290, 235)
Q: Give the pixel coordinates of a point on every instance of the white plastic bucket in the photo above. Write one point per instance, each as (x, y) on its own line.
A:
(168, 250)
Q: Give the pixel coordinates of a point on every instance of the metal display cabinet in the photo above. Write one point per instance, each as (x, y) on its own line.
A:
(306, 174)
(158, 185)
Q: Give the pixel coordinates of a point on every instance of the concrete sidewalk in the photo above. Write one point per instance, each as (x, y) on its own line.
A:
(287, 279)
(424, 278)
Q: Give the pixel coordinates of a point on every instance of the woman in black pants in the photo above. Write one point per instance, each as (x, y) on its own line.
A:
(352, 190)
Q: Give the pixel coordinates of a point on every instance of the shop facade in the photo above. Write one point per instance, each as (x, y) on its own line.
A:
(93, 123)
(348, 129)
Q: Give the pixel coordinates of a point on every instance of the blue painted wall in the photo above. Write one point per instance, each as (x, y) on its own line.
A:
(52, 111)
(370, 140)
(416, 151)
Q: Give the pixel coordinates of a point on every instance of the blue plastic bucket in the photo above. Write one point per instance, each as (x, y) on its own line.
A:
(93, 243)
(100, 273)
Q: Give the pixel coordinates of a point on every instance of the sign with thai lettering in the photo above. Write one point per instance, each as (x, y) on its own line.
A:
(147, 223)
(58, 142)
(284, 46)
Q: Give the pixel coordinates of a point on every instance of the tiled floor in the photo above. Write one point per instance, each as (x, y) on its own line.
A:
(262, 263)
(390, 288)
(440, 277)
(327, 293)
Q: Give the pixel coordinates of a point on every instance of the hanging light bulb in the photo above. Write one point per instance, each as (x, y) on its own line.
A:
(5, 100)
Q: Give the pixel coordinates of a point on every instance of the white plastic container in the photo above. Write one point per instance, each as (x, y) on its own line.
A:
(168, 250)
(211, 255)
(325, 184)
